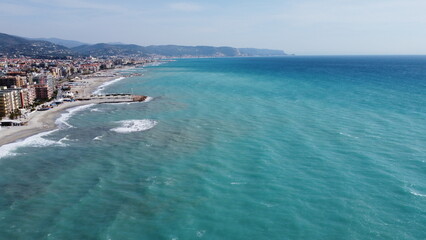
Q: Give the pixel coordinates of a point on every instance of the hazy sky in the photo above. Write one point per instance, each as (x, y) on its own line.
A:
(295, 26)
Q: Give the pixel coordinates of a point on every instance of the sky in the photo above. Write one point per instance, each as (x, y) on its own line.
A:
(302, 27)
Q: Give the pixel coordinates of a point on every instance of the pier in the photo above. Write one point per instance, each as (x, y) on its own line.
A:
(113, 98)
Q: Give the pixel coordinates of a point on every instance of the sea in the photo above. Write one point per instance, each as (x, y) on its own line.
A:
(296, 147)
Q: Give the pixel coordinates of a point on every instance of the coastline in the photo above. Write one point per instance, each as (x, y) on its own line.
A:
(43, 121)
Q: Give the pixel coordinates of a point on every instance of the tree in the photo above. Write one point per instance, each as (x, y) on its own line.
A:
(15, 114)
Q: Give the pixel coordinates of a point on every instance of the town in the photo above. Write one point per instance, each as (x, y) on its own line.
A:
(28, 84)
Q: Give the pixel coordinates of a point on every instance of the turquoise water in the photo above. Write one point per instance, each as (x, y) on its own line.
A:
(237, 148)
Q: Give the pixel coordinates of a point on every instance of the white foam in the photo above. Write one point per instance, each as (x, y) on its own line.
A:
(38, 140)
(201, 233)
(33, 141)
(101, 88)
(417, 194)
(98, 138)
(238, 183)
(95, 110)
(61, 141)
(66, 139)
(129, 126)
(62, 120)
(122, 103)
(347, 135)
(148, 99)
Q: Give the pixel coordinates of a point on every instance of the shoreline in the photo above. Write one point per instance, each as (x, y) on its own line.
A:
(43, 121)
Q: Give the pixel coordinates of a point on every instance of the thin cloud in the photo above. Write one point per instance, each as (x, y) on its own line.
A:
(11, 9)
(81, 4)
(186, 7)
(359, 12)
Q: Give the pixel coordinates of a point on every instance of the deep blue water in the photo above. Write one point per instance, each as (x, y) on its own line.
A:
(233, 148)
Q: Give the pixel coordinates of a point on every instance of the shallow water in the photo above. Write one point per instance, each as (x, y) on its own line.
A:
(237, 148)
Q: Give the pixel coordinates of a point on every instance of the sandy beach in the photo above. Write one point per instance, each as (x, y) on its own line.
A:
(41, 121)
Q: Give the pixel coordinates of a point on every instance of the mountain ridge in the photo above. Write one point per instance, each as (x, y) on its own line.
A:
(59, 41)
(16, 46)
(46, 47)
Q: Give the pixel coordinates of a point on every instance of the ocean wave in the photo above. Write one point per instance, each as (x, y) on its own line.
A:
(238, 183)
(98, 138)
(148, 99)
(95, 110)
(38, 140)
(33, 141)
(347, 135)
(61, 141)
(100, 89)
(121, 103)
(128, 126)
(62, 120)
(417, 193)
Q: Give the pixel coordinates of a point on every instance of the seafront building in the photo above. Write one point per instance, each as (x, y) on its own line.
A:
(4, 103)
(26, 96)
(43, 92)
(10, 81)
(10, 100)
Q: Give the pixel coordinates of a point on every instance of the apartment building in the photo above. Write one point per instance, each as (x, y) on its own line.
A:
(43, 91)
(9, 101)
(10, 81)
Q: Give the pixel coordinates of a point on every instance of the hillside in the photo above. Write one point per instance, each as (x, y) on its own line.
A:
(17, 46)
(58, 41)
(103, 49)
(197, 51)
